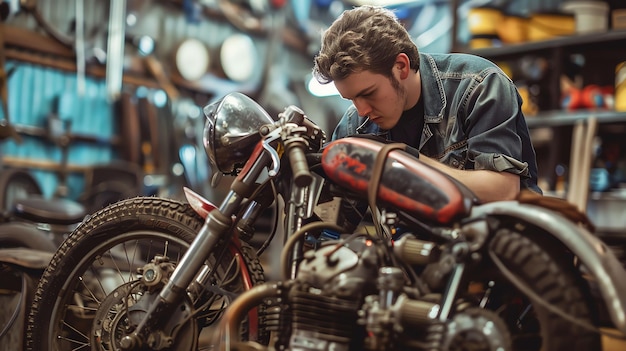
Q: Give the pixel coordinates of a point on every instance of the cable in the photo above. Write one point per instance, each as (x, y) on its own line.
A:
(20, 302)
(270, 237)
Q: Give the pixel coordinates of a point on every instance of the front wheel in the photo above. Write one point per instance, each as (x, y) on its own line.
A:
(86, 298)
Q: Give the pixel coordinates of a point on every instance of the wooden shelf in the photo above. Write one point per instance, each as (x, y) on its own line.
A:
(606, 40)
(27, 46)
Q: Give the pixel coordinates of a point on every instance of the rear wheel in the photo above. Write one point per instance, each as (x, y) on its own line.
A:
(532, 325)
(90, 294)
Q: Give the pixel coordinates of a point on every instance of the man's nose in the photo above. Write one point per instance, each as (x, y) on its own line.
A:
(362, 107)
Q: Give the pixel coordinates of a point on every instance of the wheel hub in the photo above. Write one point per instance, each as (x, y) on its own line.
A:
(477, 329)
(124, 307)
(111, 321)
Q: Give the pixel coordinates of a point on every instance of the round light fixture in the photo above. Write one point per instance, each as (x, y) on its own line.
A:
(238, 57)
(192, 59)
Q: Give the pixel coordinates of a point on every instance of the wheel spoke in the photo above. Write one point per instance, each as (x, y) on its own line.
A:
(79, 308)
(149, 249)
(117, 268)
(82, 344)
(97, 278)
(73, 341)
(129, 262)
(91, 294)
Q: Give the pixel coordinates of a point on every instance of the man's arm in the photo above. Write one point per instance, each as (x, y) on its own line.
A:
(487, 185)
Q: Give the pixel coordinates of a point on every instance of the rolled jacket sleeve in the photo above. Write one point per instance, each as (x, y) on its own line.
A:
(500, 163)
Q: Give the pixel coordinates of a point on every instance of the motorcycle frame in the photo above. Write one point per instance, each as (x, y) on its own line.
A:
(203, 207)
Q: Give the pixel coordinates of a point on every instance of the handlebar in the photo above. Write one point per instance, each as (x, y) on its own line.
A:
(299, 166)
(295, 148)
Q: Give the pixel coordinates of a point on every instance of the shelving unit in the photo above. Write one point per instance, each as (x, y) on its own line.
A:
(601, 52)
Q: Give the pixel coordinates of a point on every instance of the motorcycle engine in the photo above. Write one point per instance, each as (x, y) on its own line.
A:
(347, 296)
(325, 299)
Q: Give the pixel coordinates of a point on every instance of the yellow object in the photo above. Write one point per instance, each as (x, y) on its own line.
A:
(481, 43)
(484, 20)
(529, 107)
(620, 87)
(506, 68)
(513, 29)
(544, 26)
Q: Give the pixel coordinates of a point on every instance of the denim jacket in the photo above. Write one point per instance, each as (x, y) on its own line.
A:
(473, 118)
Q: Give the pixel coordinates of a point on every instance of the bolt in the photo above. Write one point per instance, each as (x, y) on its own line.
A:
(127, 343)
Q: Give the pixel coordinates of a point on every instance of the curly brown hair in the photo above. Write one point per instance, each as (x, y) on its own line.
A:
(366, 38)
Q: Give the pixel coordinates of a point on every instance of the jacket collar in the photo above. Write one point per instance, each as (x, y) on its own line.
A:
(432, 89)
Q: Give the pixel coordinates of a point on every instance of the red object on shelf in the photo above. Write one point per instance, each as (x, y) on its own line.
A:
(591, 96)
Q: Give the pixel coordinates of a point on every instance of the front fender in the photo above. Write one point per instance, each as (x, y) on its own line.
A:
(592, 252)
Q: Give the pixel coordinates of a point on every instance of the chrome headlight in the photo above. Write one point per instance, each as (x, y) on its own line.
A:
(231, 130)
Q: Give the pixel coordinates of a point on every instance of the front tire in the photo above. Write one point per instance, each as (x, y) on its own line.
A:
(102, 256)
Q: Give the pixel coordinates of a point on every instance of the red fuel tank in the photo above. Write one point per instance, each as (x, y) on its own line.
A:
(406, 183)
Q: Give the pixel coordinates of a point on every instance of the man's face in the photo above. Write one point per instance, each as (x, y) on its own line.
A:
(375, 96)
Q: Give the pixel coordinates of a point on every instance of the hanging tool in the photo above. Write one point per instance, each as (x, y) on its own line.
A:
(149, 135)
(156, 69)
(131, 130)
(115, 49)
(80, 47)
(6, 129)
(59, 134)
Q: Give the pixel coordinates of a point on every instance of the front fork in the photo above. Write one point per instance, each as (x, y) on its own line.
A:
(301, 205)
(217, 225)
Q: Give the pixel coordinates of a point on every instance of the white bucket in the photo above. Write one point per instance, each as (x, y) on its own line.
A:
(591, 16)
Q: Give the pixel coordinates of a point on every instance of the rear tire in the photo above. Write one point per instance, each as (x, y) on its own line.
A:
(103, 254)
(556, 282)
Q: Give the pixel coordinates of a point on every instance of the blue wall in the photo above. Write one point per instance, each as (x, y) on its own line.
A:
(35, 93)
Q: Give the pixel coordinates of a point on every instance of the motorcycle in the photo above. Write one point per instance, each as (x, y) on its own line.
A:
(435, 270)
(31, 228)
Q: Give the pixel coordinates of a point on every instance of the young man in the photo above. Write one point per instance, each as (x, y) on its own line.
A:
(460, 111)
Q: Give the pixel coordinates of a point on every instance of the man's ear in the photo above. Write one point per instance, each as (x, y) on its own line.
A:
(403, 65)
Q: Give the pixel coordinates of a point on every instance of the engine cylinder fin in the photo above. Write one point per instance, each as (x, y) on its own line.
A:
(332, 317)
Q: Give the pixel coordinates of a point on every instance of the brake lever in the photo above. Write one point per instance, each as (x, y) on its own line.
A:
(270, 137)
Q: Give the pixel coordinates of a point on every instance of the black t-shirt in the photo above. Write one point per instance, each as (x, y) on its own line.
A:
(409, 127)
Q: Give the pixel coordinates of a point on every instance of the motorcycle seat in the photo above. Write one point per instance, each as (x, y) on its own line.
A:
(25, 257)
(53, 211)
